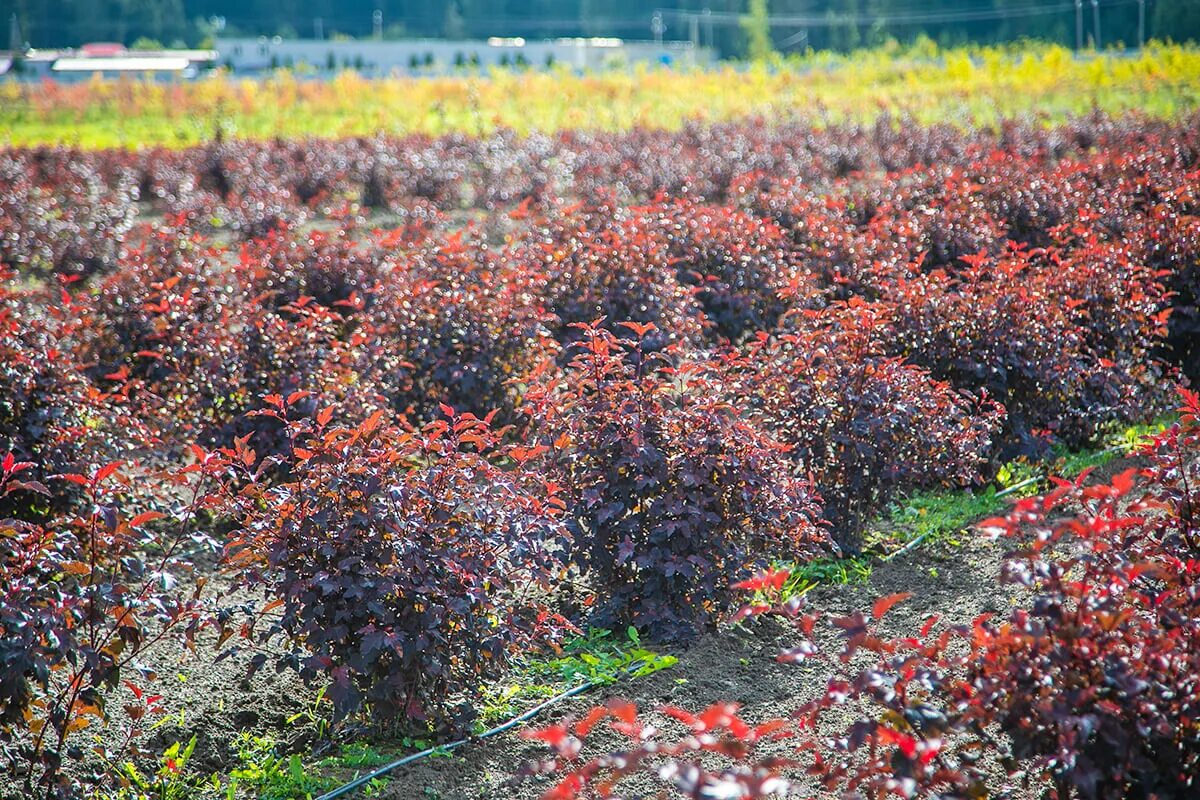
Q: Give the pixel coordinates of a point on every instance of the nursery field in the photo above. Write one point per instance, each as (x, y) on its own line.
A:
(778, 455)
(975, 85)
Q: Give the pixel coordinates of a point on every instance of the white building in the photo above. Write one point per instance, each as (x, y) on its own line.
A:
(106, 61)
(441, 56)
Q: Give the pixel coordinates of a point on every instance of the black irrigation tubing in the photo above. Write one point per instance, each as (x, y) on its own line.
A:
(512, 723)
(1003, 492)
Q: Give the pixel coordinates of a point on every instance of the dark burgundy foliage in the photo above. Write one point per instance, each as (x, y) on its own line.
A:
(739, 265)
(405, 566)
(864, 423)
(672, 356)
(676, 496)
(1092, 680)
(85, 597)
(1114, 627)
(610, 264)
(456, 325)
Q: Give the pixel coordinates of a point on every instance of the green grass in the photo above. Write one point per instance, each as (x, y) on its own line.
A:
(358, 755)
(941, 516)
(805, 576)
(268, 775)
(264, 770)
(1135, 437)
(1067, 464)
(599, 656)
(602, 657)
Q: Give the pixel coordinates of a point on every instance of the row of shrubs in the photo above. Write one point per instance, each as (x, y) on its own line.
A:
(64, 209)
(1087, 690)
(411, 441)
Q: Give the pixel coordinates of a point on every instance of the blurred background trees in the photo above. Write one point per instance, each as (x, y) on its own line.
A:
(734, 27)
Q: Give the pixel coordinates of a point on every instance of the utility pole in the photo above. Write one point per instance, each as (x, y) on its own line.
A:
(1096, 21)
(14, 35)
(708, 26)
(1078, 25)
(1141, 24)
(377, 23)
(658, 28)
(318, 28)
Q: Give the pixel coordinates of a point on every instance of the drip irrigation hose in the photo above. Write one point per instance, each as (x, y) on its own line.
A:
(341, 791)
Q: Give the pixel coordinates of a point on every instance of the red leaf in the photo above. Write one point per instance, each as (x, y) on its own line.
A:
(372, 422)
(585, 725)
(523, 454)
(106, 471)
(559, 738)
(144, 517)
(623, 710)
(28, 486)
(773, 579)
(1123, 482)
(324, 415)
(675, 712)
(905, 743)
(749, 610)
(73, 478)
(994, 527)
(885, 604)
(797, 654)
(639, 329)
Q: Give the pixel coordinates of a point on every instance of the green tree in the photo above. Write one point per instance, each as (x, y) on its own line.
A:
(756, 25)
(453, 27)
(1177, 19)
(843, 33)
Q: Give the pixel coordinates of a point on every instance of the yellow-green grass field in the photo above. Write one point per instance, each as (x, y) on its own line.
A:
(965, 86)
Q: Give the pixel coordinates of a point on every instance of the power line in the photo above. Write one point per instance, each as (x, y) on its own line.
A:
(904, 18)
